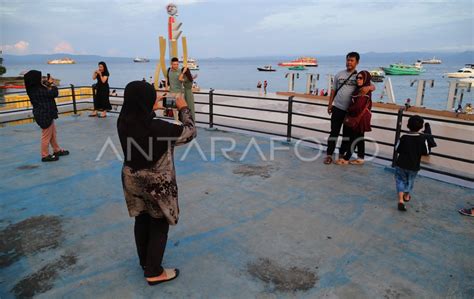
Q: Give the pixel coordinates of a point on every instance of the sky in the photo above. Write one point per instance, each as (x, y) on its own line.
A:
(228, 28)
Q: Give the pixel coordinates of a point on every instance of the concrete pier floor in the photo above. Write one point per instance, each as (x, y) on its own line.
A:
(273, 228)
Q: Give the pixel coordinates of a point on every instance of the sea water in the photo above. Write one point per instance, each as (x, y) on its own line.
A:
(242, 74)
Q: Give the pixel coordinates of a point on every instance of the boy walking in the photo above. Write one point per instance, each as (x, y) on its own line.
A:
(410, 148)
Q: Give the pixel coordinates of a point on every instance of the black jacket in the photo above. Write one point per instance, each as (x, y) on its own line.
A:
(42, 99)
(410, 148)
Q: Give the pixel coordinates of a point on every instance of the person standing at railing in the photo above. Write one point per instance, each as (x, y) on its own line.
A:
(341, 94)
(148, 173)
(187, 79)
(357, 121)
(42, 96)
(101, 91)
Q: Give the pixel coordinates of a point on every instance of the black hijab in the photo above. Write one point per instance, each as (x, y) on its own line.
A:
(138, 100)
(32, 81)
(135, 122)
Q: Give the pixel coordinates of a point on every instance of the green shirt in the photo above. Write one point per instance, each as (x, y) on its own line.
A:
(175, 85)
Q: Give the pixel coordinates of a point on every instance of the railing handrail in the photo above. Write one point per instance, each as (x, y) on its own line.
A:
(289, 123)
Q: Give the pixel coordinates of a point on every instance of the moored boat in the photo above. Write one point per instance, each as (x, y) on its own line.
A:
(297, 68)
(465, 72)
(140, 59)
(266, 68)
(431, 61)
(301, 61)
(192, 64)
(402, 69)
(377, 75)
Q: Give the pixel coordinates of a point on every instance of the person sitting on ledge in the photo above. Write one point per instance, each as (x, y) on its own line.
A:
(45, 112)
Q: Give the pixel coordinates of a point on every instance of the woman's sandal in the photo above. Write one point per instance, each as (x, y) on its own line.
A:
(342, 162)
(62, 152)
(357, 162)
(328, 160)
(171, 274)
(406, 197)
(93, 115)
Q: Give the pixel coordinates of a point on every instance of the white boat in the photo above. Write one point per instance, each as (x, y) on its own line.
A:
(62, 61)
(418, 65)
(140, 59)
(465, 72)
(431, 61)
(192, 64)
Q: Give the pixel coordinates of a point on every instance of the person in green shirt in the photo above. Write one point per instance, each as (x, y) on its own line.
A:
(179, 83)
(173, 84)
(187, 78)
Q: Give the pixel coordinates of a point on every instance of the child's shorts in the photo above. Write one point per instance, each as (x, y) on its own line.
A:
(405, 179)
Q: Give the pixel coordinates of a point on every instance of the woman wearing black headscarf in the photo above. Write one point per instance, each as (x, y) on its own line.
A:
(101, 91)
(357, 122)
(45, 112)
(148, 173)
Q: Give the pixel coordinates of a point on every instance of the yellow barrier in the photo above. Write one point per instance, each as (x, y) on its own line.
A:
(81, 93)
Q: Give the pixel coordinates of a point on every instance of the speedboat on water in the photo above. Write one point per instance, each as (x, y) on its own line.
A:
(465, 72)
(266, 68)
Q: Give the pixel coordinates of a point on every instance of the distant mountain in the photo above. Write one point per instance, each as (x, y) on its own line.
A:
(408, 57)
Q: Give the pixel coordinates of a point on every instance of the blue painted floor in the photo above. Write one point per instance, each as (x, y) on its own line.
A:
(248, 229)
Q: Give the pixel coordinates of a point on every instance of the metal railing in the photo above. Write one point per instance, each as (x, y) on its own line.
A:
(289, 124)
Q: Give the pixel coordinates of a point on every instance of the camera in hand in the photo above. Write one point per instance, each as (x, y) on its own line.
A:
(46, 80)
(169, 102)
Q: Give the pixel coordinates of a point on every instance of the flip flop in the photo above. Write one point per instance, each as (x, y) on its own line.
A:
(328, 160)
(357, 162)
(466, 212)
(93, 115)
(402, 207)
(171, 274)
(342, 162)
(406, 197)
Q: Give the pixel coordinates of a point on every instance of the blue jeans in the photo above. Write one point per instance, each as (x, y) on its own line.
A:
(405, 179)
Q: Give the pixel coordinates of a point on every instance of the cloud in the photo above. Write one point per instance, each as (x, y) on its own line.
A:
(19, 47)
(329, 15)
(63, 47)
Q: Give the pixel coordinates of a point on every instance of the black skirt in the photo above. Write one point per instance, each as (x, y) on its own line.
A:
(101, 96)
